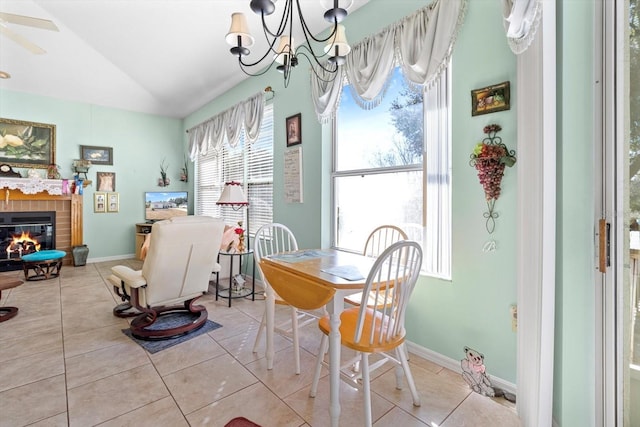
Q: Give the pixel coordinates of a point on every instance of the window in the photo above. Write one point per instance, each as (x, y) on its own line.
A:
(385, 173)
(250, 164)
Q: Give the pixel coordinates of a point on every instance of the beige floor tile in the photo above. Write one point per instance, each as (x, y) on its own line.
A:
(59, 420)
(188, 353)
(200, 385)
(282, 379)
(27, 345)
(256, 403)
(481, 411)
(95, 339)
(315, 411)
(33, 402)
(398, 417)
(102, 363)
(207, 380)
(440, 393)
(25, 325)
(113, 396)
(82, 318)
(29, 369)
(163, 412)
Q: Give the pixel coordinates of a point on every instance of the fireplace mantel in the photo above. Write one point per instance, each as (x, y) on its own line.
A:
(68, 209)
(32, 185)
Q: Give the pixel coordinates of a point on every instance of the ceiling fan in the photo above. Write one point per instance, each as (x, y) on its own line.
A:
(10, 18)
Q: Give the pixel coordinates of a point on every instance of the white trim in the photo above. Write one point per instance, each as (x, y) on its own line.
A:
(454, 365)
(536, 253)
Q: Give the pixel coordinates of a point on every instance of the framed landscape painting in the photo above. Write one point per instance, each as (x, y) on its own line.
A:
(27, 144)
(97, 155)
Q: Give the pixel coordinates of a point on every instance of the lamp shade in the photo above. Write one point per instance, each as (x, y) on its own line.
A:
(239, 28)
(343, 4)
(232, 195)
(285, 48)
(339, 40)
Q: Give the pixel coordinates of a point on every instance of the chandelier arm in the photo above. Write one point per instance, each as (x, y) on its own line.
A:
(333, 70)
(281, 27)
(307, 32)
(315, 57)
(243, 66)
(253, 64)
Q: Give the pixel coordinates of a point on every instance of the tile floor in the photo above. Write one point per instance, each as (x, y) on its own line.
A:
(65, 362)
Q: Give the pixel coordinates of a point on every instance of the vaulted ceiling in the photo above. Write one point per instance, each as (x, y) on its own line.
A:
(165, 57)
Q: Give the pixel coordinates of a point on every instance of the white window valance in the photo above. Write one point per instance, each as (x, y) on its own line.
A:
(210, 133)
(521, 19)
(421, 43)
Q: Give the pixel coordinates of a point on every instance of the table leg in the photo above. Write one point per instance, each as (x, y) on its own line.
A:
(231, 277)
(270, 309)
(335, 308)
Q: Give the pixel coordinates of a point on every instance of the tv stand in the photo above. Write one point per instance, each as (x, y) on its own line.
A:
(142, 229)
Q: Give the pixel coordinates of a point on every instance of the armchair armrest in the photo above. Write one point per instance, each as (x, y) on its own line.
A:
(132, 278)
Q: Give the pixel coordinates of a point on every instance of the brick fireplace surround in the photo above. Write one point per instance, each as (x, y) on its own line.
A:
(68, 208)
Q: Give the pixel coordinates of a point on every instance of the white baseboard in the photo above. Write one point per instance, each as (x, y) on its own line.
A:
(454, 365)
(110, 258)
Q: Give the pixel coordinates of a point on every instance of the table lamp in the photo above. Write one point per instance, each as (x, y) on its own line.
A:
(232, 195)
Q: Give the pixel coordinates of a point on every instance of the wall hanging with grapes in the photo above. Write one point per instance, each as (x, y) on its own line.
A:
(489, 157)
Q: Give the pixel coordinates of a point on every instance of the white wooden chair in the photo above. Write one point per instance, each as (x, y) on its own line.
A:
(271, 239)
(379, 240)
(378, 328)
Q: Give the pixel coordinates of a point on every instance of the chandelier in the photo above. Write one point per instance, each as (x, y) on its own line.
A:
(282, 49)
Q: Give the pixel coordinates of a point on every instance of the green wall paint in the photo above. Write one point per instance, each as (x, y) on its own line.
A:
(574, 378)
(444, 316)
(471, 309)
(139, 141)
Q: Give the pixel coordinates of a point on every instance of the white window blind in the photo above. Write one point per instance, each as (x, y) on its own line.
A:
(250, 164)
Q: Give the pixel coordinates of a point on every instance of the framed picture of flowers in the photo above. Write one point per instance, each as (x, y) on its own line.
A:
(490, 99)
(27, 144)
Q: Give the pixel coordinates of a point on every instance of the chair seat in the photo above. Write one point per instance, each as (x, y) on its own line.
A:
(348, 322)
(44, 256)
(380, 301)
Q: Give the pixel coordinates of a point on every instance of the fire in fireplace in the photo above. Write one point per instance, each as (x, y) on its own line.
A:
(22, 233)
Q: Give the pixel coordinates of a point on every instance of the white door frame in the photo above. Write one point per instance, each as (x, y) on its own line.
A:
(536, 116)
(611, 149)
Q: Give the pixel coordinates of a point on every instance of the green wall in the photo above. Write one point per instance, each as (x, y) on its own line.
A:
(574, 379)
(139, 141)
(473, 308)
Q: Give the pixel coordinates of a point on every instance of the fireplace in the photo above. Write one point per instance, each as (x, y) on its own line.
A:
(22, 233)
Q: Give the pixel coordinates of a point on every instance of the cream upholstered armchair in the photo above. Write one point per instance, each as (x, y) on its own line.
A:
(176, 271)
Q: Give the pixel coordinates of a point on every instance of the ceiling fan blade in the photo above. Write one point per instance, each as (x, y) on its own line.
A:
(29, 21)
(22, 41)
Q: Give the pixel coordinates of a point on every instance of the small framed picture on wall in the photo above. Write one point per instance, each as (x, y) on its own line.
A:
(106, 181)
(113, 202)
(99, 202)
(294, 130)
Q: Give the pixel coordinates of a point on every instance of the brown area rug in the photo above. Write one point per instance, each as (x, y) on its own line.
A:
(241, 422)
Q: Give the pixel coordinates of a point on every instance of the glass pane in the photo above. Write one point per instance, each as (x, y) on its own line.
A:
(634, 202)
(390, 134)
(397, 201)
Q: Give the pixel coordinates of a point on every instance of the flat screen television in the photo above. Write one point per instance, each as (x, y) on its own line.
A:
(159, 205)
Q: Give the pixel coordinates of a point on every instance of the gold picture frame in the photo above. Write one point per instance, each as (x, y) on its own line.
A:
(99, 202)
(27, 144)
(113, 202)
(491, 99)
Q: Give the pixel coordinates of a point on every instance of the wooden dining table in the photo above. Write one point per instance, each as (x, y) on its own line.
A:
(309, 279)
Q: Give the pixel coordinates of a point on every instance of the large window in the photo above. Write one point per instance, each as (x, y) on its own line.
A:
(385, 173)
(250, 164)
